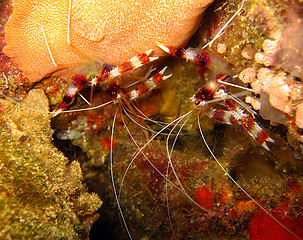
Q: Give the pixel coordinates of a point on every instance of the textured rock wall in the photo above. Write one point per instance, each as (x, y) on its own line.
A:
(41, 192)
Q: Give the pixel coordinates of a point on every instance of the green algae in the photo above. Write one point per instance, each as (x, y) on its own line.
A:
(41, 192)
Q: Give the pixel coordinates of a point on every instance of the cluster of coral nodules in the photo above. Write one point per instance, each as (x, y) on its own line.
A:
(279, 80)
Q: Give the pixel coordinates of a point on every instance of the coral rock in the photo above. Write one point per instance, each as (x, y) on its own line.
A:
(247, 75)
(41, 194)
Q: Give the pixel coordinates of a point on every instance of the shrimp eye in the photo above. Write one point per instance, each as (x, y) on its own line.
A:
(203, 59)
(112, 90)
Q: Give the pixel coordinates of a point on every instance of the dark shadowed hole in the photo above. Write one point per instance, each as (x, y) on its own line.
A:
(108, 226)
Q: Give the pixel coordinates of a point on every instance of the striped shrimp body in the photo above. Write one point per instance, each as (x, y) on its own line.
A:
(108, 78)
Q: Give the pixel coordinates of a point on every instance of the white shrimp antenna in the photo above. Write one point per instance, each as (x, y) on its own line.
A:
(225, 26)
(47, 45)
(70, 4)
(113, 179)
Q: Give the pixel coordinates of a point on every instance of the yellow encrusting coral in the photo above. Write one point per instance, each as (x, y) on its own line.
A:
(41, 192)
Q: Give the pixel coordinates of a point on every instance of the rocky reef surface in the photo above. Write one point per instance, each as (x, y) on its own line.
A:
(41, 191)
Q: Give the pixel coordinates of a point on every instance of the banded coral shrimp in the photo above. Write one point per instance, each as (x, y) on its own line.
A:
(244, 205)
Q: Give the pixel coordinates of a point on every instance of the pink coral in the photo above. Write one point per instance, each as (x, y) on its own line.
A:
(248, 53)
(247, 75)
(256, 86)
(270, 47)
(264, 59)
(279, 88)
(275, 85)
(253, 101)
(221, 48)
(299, 115)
